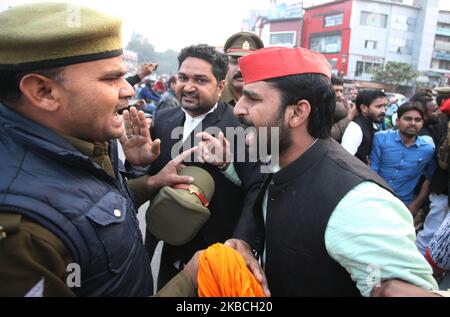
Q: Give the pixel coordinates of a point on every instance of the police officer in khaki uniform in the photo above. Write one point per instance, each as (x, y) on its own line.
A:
(68, 223)
(238, 45)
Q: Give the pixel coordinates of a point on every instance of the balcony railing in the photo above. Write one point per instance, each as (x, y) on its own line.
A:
(443, 31)
(442, 46)
(441, 55)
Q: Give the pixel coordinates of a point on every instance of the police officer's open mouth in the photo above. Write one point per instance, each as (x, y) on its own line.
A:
(238, 76)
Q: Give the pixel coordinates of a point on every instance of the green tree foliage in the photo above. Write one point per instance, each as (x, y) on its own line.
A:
(395, 74)
(167, 61)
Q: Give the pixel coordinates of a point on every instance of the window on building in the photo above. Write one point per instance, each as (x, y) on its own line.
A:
(443, 25)
(401, 46)
(403, 23)
(442, 38)
(282, 39)
(333, 20)
(366, 68)
(372, 45)
(444, 65)
(330, 43)
(333, 62)
(411, 24)
(373, 19)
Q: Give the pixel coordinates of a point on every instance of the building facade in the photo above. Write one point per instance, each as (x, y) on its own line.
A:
(327, 29)
(280, 25)
(439, 73)
(130, 59)
(359, 36)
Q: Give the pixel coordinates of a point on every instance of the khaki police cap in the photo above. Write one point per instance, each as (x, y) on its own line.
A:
(177, 213)
(48, 35)
(242, 43)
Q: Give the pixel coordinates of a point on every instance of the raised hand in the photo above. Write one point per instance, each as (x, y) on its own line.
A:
(168, 176)
(214, 151)
(138, 146)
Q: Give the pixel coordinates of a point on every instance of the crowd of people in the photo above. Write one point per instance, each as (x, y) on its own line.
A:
(334, 216)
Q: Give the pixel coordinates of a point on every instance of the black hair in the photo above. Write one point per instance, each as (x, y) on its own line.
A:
(219, 61)
(366, 97)
(423, 96)
(318, 91)
(10, 81)
(336, 81)
(408, 106)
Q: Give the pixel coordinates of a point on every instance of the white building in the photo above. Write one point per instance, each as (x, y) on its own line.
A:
(386, 31)
(130, 60)
(439, 74)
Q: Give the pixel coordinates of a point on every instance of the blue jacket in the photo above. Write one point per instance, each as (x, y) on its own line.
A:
(46, 179)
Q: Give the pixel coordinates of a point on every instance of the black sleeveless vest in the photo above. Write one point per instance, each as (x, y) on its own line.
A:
(366, 145)
(301, 199)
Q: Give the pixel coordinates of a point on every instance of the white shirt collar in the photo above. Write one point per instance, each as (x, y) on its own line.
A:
(190, 123)
(200, 117)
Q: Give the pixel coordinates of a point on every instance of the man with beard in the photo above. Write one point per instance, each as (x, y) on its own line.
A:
(237, 45)
(324, 224)
(201, 79)
(345, 112)
(357, 138)
(433, 125)
(402, 156)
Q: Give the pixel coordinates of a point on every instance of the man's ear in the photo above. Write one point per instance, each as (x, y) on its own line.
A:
(220, 87)
(298, 114)
(364, 109)
(40, 91)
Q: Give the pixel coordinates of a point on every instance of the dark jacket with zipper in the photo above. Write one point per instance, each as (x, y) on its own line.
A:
(48, 181)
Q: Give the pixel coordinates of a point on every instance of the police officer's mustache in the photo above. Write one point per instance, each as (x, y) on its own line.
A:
(238, 75)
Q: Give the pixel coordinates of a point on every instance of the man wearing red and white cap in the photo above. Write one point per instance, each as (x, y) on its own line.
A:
(325, 224)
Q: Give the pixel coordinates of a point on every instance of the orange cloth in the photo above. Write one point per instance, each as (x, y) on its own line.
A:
(222, 272)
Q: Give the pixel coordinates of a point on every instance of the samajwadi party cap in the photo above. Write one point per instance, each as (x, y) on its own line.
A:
(274, 62)
(49, 35)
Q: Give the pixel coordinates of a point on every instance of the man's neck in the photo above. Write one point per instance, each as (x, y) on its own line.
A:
(197, 114)
(366, 116)
(296, 150)
(407, 139)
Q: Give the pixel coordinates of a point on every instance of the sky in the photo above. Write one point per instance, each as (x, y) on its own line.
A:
(174, 24)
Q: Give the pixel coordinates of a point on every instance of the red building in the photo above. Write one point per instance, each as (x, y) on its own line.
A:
(282, 32)
(326, 29)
